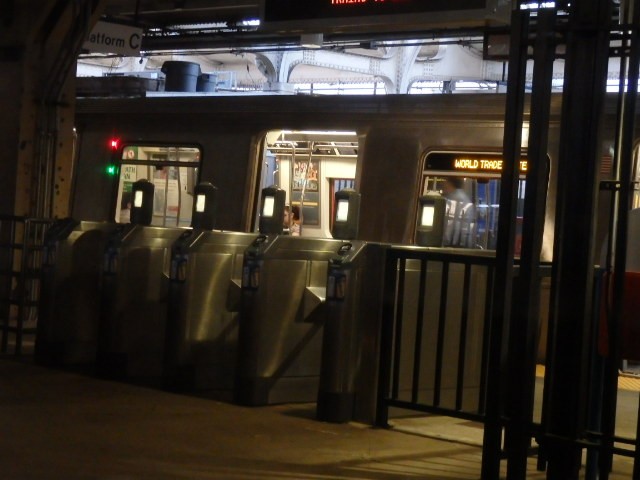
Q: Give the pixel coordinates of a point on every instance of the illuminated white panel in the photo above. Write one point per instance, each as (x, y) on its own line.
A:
(200, 202)
(343, 211)
(267, 208)
(137, 201)
(428, 212)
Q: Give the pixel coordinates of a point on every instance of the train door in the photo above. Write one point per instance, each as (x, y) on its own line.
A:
(309, 165)
(174, 172)
(471, 183)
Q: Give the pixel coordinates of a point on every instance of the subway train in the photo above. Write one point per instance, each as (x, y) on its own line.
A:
(392, 149)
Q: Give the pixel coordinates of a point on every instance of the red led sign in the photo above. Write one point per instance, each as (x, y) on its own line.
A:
(297, 10)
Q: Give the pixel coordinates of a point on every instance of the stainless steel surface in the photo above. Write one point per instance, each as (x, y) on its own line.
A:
(68, 323)
(281, 322)
(351, 338)
(134, 303)
(203, 319)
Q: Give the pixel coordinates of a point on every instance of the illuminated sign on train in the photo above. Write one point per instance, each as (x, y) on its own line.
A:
(484, 164)
(468, 162)
(296, 10)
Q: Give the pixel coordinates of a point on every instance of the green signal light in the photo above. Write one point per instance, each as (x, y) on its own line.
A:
(112, 170)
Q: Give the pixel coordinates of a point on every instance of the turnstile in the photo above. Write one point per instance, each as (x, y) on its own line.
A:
(280, 335)
(350, 340)
(135, 285)
(70, 292)
(204, 301)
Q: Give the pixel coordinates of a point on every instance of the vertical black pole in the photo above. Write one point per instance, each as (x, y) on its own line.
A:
(525, 319)
(625, 156)
(584, 91)
(502, 287)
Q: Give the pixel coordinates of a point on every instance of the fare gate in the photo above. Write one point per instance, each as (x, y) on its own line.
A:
(70, 292)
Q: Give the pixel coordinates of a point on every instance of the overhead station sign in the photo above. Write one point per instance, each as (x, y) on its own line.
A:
(114, 38)
(297, 15)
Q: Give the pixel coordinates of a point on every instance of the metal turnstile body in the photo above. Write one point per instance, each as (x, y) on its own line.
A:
(135, 285)
(70, 293)
(204, 301)
(351, 336)
(280, 335)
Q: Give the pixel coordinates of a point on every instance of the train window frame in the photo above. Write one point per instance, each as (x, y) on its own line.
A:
(471, 170)
(180, 160)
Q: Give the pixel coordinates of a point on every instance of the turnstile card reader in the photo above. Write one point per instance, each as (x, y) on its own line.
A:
(205, 202)
(70, 292)
(272, 202)
(204, 301)
(142, 193)
(430, 222)
(347, 214)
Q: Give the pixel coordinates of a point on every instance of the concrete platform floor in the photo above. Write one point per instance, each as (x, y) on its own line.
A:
(61, 425)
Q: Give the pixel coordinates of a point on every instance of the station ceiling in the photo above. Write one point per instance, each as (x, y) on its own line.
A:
(197, 24)
(171, 13)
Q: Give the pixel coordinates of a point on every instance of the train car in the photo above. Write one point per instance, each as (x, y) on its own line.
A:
(391, 148)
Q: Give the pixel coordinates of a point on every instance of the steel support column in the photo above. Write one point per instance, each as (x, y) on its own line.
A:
(624, 161)
(525, 319)
(567, 358)
(512, 151)
(40, 49)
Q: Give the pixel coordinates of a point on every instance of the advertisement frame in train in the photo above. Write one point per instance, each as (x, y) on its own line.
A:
(331, 157)
(478, 227)
(172, 178)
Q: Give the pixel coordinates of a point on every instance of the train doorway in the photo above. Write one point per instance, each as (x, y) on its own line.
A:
(309, 166)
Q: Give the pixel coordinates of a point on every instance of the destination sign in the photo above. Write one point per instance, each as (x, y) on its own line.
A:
(282, 10)
(469, 162)
(297, 14)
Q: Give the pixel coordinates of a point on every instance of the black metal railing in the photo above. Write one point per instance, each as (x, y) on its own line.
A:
(435, 333)
(21, 251)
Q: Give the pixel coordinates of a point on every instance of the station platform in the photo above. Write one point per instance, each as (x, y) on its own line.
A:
(57, 424)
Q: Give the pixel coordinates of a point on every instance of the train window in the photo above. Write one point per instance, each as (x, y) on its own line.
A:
(471, 184)
(306, 164)
(174, 172)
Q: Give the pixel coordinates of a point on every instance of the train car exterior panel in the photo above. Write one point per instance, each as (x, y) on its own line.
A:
(395, 135)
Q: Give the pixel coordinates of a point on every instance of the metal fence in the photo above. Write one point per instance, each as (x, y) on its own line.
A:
(435, 333)
(21, 251)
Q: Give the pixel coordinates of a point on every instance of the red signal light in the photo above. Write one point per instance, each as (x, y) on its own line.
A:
(114, 143)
